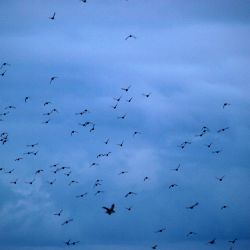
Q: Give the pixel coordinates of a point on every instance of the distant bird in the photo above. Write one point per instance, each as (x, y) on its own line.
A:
(14, 182)
(223, 207)
(39, 171)
(136, 133)
(126, 89)
(68, 173)
(154, 246)
(18, 159)
(10, 107)
(81, 195)
(209, 145)
(129, 208)
(67, 222)
(117, 99)
(191, 233)
(53, 17)
(4, 64)
(83, 1)
(46, 103)
(72, 182)
(46, 122)
(220, 178)
(26, 98)
(161, 230)
(211, 242)
(147, 95)
(146, 178)
(32, 145)
(233, 241)
(130, 99)
(30, 182)
(172, 185)
(93, 128)
(216, 151)
(193, 206)
(122, 117)
(3, 73)
(73, 132)
(129, 193)
(67, 242)
(176, 169)
(115, 106)
(52, 182)
(120, 144)
(225, 104)
(94, 164)
(130, 36)
(59, 213)
(74, 243)
(107, 141)
(123, 172)
(222, 130)
(99, 192)
(10, 171)
(110, 210)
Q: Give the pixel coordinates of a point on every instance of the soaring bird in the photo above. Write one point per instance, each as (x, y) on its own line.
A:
(161, 230)
(211, 242)
(53, 17)
(193, 206)
(225, 104)
(126, 89)
(59, 213)
(4, 64)
(110, 210)
(53, 78)
(67, 222)
(191, 233)
(130, 193)
(172, 185)
(130, 36)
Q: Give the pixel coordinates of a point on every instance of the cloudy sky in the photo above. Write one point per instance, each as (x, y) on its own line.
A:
(192, 56)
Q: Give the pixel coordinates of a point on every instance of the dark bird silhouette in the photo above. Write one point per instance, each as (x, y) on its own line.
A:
(94, 164)
(154, 246)
(4, 64)
(147, 95)
(126, 89)
(222, 130)
(81, 195)
(73, 132)
(115, 106)
(99, 192)
(136, 133)
(53, 17)
(122, 117)
(209, 145)
(146, 178)
(107, 141)
(110, 210)
(18, 159)
(130, 36)
(161, 230)
(52, 182)
(46, 122)
(117, 99)
(72, 182)
(67, 243)
(130, 99)
(223, 207)
(26, 98)
(10, 171)
(32, 145)
(129, 193)
(93, 128)
(191, 233)
(211, 242)
(220, 178)
(74, 243)
(123, 172)
(225, 104)
(30, 182)
(68, 173)
(233, 241)
(193, 206)
(46, 103)
(67, 222)
(59, 213)
(39, 171)
(3, 73)
(53, 78)
(172, 185)
(216, 151)
(176, 169)
(129, 208)
(10, 107)
(14, 182)
(120, 144)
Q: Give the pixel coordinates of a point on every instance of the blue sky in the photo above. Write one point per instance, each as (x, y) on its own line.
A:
(192, 57)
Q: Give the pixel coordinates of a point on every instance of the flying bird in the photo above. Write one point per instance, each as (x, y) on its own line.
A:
(53, 16)
(110, 210)
(193, 206)
(130, 36)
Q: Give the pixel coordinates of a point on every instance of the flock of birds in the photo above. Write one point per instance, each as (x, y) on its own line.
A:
(110, 209)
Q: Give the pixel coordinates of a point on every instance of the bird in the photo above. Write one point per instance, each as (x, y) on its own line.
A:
(4, 64)
(161, 230)
(72, 182)
(32, 145)
(26, 98)
(59, 213)
(129, 193)
(225, 104)
(123, 172)
(136, 133)
(53, 16)
(117, 99)
(110, 210)
(129, 208)
(98, 192)
(172, 185)
(10, 171)
(39, 171)
(74, 243)
(81, 195)
(52, 182)
(191, 233)
(3, 73)
(122, 117)
(145, 178)
(46, 122)
(120, 144)
(209, 145)
(176, 169)
(115, 106)
(223, 207)
(67, 222)
(130, 36)
(216, 151)
(233, 241)
(30, 182)
(107, 141)
(14, 182)
(47, 103)
(222, 130)
(154, 246)
(130, 99)
(126, 89)
(146, 95)
(67, 242)
(193, 206)
(10, 107)
(211, 242)
(73, 132)
(220, 178)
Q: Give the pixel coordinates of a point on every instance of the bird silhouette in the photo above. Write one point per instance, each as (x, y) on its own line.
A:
(110, 210)
(193, 206)
(161, 230)
(59, 213)
(67, 222)
(130, 36)
(126, 89)
(53, 16)
(129, 193)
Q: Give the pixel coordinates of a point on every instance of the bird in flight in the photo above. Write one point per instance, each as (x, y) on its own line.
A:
(130, 99)
(136, 133)
(67, 222)
(145, 178)
(161, 230)
(233, 241)
(110, 210)
(154, 246)
(211, 242)
(220, 178)
(147, 95)
(122, 117)
(129, 193)
(26, 98)
(123, 172)
(223, 207)
(81, 195)
(117, 99)
(59, 213)
(176, 169)
(4, 64)
(225, 104)
(172, 185)
(191, 233)
(53, 16)
(14, 182)
(193, 206)
(53, 78)
(126, 89)
(3, 73)
(52, 182)
(222, 130)
(130, 36)
(120, 144)
(107, 141)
